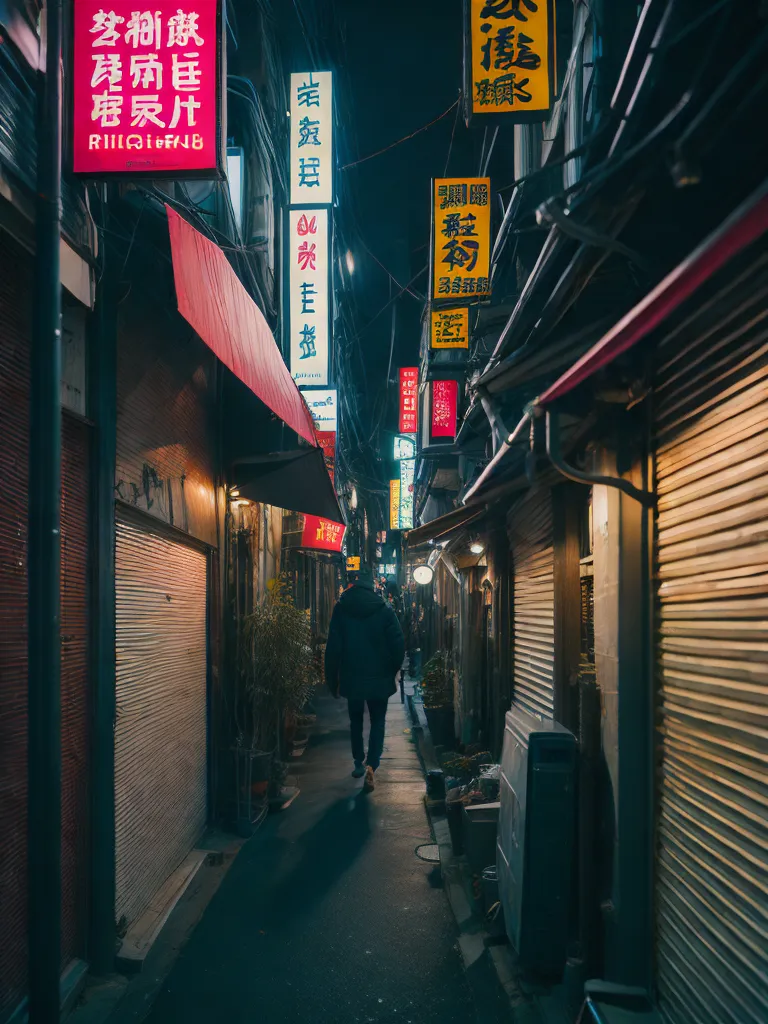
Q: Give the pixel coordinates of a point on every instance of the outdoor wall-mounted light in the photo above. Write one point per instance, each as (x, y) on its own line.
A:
(234, 493)
(423, 574)
(477, 548)
(350, 260)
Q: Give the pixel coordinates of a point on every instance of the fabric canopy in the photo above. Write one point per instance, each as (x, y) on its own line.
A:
(214, 302)
(445, 525)
(297, 481)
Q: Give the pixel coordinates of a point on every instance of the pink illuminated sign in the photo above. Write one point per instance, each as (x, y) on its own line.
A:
(445, 397)
(146, 88)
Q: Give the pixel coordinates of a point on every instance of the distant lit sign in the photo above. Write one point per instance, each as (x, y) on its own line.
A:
(409, 395)
(389, 570)
(323, 407)
(405, 447)
(353, 563)
(308, 270)
(327, 441)
(407, 474)
(511, 58)
(461, 238)
(450, 328)
(146, 89)
(322, 534)
(445, 395)
(312, 138)
(394, 504)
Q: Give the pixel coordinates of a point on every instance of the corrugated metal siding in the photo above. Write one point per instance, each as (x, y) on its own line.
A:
(531, 543)
(75, 692)
(15, 329)
(712, 549)
(160, 731)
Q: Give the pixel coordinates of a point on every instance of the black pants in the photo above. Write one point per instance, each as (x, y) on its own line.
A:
(377, 709)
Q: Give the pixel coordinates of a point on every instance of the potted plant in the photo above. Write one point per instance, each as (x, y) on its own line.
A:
(437, 693)
(277, 671)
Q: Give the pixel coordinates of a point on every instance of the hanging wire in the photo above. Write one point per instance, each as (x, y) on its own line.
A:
(405, 138)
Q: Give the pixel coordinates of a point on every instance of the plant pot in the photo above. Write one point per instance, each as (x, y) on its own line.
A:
(440, 722)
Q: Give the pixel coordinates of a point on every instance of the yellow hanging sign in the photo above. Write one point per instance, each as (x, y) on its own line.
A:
(450, 328)
(394, 504)
(353, 563)
(511, 61)
(461, 238)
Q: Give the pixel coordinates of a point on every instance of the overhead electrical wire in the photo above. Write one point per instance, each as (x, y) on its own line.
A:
(405, 138)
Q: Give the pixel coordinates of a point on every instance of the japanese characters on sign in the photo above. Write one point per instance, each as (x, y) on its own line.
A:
(407, 474)
(450, 328)
(322, 534)
(327, 441)
(409, 396)
(323, 407)
(445, 395)
(394, 504)
(308, 256)
(312, 138)
(146, 88)
(511, 63)
(404, 447)
(461, 238)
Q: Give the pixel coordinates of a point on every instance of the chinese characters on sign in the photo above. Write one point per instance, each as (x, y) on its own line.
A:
(409, 395)
(323, 407)
(312, 138)
(450, 328)
(308, 300)
(461, 238)
(405, 512)
(512, 49)
(146, 88)
(394, 504)
(327, 441)
(322, 534)
(445, 395)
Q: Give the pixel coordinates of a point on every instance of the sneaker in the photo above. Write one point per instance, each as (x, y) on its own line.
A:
(370, 782)
(359, 770)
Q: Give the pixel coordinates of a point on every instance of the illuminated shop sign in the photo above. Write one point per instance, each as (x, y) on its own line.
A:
(309, 308)
(312, 138)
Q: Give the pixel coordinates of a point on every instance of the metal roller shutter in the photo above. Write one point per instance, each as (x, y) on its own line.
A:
(711, 423)
(160, 731)
(75, 694)
(531, 542)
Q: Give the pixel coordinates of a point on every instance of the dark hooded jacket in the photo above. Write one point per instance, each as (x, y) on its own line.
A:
(365, 648)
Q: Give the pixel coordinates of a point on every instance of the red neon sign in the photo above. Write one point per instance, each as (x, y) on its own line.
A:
(327, 441)
(322, 534)
(409, 395)
(445, 398)
(146, 87)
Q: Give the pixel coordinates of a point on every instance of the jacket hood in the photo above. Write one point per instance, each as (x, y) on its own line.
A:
(360, 603)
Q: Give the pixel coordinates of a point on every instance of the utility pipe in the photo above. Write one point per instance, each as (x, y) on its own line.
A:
(490, 469)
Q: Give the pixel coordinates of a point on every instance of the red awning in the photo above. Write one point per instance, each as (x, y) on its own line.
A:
(214, 302)
(744, 226)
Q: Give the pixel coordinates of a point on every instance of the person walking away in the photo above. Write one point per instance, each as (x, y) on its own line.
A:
(364, 653)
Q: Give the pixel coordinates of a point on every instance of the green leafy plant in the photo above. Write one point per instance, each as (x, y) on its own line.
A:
(277, 668)
(437, 681)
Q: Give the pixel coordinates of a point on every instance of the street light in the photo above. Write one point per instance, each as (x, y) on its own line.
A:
(423, 574)
(477, 548)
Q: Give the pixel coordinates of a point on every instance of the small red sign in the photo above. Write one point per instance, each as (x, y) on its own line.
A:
(327, 441)
(409, 397)
(322, 534)
(445, 398)
(146, 87)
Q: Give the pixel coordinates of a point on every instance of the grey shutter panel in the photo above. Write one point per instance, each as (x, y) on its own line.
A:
(711, 415)
(531, 542)
(160, 729)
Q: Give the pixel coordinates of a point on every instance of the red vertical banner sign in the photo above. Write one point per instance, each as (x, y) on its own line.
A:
(322, 534)
(409, 397)
(327, 441)
(445, 398)
(146, 88)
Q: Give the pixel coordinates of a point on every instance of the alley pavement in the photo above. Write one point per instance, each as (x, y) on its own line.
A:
(328, 914)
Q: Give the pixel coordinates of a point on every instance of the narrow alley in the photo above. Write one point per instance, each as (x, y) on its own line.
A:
(328, 914)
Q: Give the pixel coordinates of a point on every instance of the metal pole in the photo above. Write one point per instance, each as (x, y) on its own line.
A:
(44, 755)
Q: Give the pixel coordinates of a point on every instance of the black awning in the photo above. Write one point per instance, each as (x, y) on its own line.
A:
(443, 526)
(295, 480)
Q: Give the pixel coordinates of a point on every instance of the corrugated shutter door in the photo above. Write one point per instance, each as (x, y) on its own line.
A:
(160, 732)
(530, 536)
(712, 549)
(15, 329)
(75, 703)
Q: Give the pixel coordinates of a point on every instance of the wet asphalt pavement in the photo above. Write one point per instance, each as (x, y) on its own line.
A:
(328, 915)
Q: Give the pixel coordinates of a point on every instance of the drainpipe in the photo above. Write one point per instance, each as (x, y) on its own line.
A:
(44, 552)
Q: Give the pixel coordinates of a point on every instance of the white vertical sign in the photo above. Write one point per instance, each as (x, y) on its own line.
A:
(312, 138)
(308, 256)
(407, 475)
(324, 408)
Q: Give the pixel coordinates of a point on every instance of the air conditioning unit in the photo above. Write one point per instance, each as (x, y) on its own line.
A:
(535, 846)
